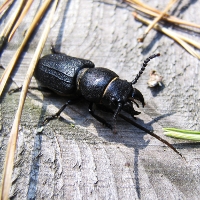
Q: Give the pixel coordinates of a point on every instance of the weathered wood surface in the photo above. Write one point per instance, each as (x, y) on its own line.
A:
(87, 161)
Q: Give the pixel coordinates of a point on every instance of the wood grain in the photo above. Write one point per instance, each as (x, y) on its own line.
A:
(87, 161)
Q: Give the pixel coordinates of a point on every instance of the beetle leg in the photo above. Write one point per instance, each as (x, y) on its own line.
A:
(39, 88)
(56, 115)
(119, 107)
(54, 51)
(91, 111)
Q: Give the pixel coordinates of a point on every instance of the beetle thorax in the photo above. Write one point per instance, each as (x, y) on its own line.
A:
(93, 83)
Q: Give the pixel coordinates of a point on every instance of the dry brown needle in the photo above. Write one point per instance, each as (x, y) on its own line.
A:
(22, 15)
(14, 59)
(5, 32)
(183, 41)
(5, 6)
(166, 17)
(9, 161)
(151, 25)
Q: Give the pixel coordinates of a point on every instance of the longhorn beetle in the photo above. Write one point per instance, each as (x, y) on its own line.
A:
(78, 78)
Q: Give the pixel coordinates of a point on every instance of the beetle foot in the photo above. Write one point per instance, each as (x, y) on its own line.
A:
(18, 89)
(114, 129)
(133, 117)
(56, 115)
(107, 124)
(48, 119)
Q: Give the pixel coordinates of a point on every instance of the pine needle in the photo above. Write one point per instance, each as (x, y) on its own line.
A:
(143, 5)
(22, 15)
(5, 32)
(5, 6)
(180, 39)
(8, 167)
(151, 25)
(14, 59)
(154, 13)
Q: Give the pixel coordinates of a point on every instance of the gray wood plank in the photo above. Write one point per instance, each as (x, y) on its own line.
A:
(87, 161)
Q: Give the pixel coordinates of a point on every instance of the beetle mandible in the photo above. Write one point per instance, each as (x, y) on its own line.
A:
(78, 77)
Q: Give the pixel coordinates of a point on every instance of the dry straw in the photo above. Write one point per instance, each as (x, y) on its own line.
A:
(154, 13)
(182, 40)
(6, 4)
(9, 160)
(22, 15)
(8, 27)
(151, 25)
(14, 59)
(166, 17)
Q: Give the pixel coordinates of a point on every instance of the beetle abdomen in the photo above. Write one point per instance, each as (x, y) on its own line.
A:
(58, 72)
(93, 82)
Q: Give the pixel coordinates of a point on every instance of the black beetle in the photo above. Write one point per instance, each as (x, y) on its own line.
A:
(78, 78)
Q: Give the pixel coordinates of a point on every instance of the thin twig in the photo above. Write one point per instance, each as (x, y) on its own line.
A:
(180, 39)
(8, 167)
(25, 10)
(14, 59)
(166, 17)
(151, 25)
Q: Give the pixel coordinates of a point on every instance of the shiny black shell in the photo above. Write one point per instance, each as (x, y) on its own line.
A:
(58, 72)
(93, 83)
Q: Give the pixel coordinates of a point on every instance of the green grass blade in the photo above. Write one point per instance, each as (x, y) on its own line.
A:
(181, 130)
(182, 134)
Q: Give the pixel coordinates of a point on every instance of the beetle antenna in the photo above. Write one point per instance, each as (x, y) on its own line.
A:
(143, 67)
